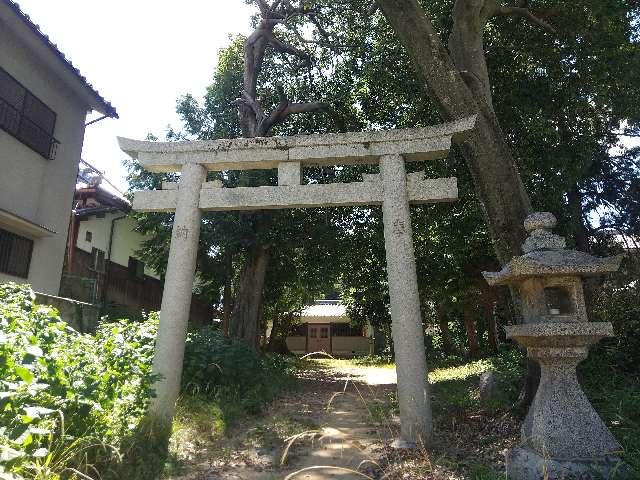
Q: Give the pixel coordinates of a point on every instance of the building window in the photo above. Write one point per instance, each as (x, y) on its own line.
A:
(97, 256)
(15, 254)
(136, 268)
(345, 330)
(26, 117)
(88, 236)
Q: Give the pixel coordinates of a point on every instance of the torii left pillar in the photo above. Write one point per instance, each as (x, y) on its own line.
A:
(178, 289)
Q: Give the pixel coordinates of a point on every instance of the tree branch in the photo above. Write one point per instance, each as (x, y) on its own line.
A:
(253, 119)
(282, 47)
(252, 104)
(526, 14)
(286, 108)
(264, 7)
(307, 107)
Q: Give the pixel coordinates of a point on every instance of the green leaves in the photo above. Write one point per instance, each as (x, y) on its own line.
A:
(34, 350)
(35, 413)
(59, 387)
(8, 454)
(24, 374)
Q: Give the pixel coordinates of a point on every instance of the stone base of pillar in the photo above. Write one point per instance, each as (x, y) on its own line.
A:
(525, 464)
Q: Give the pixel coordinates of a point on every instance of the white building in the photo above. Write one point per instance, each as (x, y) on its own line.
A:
(103, 266)
(326, 327)
(44, 101)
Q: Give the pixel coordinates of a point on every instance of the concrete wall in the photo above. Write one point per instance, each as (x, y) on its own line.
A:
(125, 239)
(83, 317)
(297, 344)
(4, 278)
(348, 346)
(32, 187)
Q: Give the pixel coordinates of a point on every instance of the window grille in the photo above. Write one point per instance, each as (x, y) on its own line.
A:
(26, 117)
(345, 330)
(15, 254)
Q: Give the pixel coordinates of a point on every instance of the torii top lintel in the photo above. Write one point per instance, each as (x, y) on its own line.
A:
(416, 144)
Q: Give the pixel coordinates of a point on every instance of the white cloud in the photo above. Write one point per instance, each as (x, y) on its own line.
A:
(141, 55)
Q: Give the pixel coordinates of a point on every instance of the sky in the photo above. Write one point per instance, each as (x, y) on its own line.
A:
(141, 55)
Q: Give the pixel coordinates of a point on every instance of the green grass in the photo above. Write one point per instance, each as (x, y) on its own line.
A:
(368, 361)
(615, 394)
(455, 383)
(203, 416)
(200, 421)
(374, 360)
(613, 391)
(483, 472)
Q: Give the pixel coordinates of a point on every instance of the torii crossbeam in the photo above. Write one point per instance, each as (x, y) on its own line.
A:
(392, 188)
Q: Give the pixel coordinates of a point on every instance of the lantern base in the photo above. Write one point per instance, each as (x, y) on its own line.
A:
(525, 464)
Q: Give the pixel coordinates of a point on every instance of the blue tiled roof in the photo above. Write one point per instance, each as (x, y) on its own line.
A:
(108, 108)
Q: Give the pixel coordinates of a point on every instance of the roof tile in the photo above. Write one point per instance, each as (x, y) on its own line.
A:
(109, 109)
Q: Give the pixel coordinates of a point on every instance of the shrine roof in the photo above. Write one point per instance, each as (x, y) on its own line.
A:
(328, 310)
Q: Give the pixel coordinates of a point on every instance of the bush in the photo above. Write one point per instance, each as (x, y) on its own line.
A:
(215, 365)
(615, 394)
(621, 307)
(76, 402)
(66, 399)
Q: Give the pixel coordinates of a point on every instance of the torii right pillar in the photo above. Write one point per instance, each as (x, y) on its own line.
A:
(407, 331)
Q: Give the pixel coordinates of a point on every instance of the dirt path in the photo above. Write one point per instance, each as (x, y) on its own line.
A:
(332, 424)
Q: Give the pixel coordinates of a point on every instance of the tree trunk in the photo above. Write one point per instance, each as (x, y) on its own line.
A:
(244, 319)
(472, 340)
(460, 86)
(492, 323)
(580, 232)
(497, 181)
(255, 122)
(444, 329)
(581, 238)
(227, 299)
(279, 332)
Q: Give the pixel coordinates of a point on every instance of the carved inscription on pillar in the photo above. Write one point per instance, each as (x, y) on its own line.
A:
(181, 233)
(399, 227)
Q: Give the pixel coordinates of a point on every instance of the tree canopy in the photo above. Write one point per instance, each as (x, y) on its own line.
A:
(565, 97)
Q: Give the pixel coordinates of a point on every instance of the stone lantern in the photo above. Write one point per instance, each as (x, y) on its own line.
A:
(562, 436)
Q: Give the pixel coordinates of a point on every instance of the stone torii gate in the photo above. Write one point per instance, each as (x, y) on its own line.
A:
(392, 188)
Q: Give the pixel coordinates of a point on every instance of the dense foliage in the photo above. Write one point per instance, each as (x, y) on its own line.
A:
(227, 369)
(621, 307)
(566, 117)
(75, 401)
(64, 395)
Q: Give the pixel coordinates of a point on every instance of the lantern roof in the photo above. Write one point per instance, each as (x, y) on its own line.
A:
(546, 255)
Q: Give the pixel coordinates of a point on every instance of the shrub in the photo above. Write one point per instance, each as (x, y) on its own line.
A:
(72, 402)
(621, 307)
(64, 396)
(215, 365)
